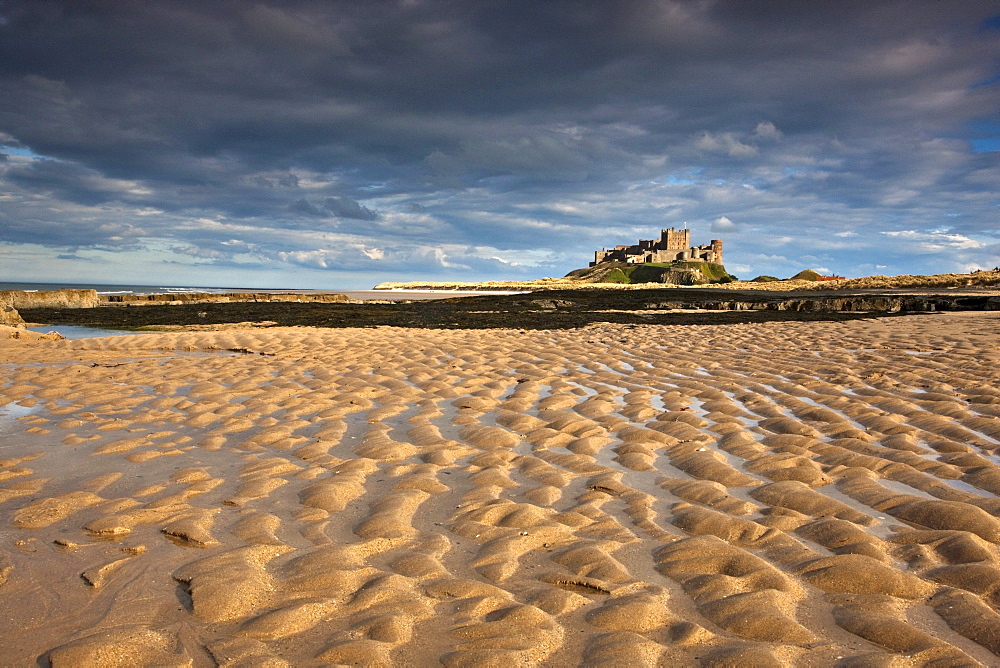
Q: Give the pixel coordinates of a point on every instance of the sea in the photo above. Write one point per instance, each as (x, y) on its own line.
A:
(366, 295)
(78, 332)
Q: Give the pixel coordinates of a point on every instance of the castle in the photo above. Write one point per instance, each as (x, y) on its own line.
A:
(673, 245)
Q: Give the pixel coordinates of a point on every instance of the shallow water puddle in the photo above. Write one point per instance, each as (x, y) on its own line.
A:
(9, 415)
(14, 410)
(80, 332)
(903, 488)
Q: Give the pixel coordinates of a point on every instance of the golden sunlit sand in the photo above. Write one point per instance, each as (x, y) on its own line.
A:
(742, 495)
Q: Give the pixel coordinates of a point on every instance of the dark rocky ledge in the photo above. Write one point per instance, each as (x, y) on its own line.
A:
(555, 309)
(176, 298)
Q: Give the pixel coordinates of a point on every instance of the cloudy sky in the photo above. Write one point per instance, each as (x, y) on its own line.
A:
(335, 144)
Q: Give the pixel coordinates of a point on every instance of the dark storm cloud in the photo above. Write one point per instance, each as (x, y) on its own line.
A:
(334, 207)
(344, 207)
(414, 132)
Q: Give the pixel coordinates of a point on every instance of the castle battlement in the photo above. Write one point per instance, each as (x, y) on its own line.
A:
(672, 246)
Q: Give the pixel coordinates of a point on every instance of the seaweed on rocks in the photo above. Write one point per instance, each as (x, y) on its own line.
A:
(552, 309)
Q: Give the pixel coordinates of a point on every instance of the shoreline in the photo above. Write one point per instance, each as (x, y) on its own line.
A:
(554, 309)
(876, 294)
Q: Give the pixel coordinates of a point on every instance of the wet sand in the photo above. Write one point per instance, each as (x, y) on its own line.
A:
(800, 493)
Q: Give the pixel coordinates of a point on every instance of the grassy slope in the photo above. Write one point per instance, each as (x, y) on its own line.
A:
(650, 272)
(713, 272)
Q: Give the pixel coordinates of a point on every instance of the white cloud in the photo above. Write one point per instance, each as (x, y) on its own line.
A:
(724, 224)
(314, 258)
(737, 145)
(934, 242)
(148, 211)
(767, 131)
(766, 258)
(724, 143)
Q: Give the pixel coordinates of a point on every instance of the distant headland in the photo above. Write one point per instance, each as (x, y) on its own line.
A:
(983, 279)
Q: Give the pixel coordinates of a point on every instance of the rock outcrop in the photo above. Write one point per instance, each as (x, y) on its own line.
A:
(224, 298)
(684, 276)
(856, 303)
(10, 316)
(73, 298)
(69, 298)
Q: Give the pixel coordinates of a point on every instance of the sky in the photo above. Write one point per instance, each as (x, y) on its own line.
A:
(337, 144)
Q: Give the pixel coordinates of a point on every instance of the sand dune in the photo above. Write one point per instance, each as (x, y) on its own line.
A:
(766, 494)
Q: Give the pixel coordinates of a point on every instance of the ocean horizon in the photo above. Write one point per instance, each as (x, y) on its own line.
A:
(125, 289)
(158, 289)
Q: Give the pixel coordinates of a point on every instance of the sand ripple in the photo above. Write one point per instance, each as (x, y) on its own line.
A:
(773, 494)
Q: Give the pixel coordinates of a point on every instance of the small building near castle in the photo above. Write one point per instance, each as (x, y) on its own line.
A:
(672, 246)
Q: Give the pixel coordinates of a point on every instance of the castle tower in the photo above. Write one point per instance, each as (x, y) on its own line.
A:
(676, 240)
(717, 251)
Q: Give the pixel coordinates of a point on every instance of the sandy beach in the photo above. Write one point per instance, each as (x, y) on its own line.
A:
(760, 494)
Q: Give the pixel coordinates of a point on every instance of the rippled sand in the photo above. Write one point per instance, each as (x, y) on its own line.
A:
(743, 495)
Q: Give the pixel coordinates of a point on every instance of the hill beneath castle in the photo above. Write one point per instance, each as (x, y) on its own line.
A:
(673, 273)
